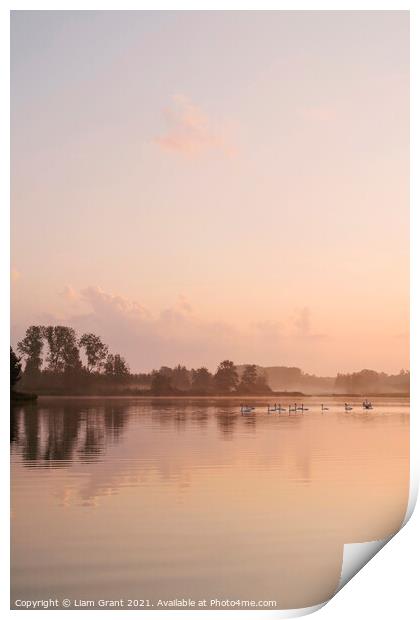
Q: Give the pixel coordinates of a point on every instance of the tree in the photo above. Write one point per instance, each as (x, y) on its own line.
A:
(15, 368)
(96, 351)
(253, 382)
(166, 371)
(226, 377)
(31, 348)
(181, 378)
(62, 344)
(249, 377)
(116, 366)
(161, 383)
(261, 384)
(72, 361)
(121, 368)
(202, 380)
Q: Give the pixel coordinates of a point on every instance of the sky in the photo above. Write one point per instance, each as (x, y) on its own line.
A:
(200, 185)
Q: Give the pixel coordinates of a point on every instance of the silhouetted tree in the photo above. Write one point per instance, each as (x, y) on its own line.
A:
(161, 383)
(116, 366)
(72, 361)
(181, 378)
(96, 351)
(15, 368)
(109, 365)
(249, 377)
(121, 368)
(166, 371)
(202, 380)
(226, 377)
(62, 344)
(252, 381)
(31, 348)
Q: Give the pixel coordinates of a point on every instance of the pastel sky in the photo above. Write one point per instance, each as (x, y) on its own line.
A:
(195, 186)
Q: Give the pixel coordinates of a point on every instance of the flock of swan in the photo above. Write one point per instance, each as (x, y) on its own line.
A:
(296, 408)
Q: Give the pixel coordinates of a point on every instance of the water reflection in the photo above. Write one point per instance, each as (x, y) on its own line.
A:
(190, 498)
(226, 421)
(59, 435)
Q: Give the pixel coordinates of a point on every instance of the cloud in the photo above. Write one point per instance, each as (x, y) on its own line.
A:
(190, 131)
(103, 303)
(69, 293)
(177, 334)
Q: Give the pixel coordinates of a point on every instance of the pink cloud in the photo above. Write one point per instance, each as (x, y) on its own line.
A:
(70, 294)
(101, 302)
(190, 131)
(177, 334)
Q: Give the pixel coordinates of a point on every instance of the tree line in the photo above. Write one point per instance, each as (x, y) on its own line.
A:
(371, 381)
(226, 380)
(64, 352)
(55, 357)
(56, 360)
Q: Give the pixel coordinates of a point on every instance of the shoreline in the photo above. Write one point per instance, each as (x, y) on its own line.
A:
(42, 397)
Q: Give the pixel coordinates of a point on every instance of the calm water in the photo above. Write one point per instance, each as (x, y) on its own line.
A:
(164, 499)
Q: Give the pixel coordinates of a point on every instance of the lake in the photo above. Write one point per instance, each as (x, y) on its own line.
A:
(163, 499)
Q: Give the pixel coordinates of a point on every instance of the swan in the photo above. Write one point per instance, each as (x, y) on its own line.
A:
(367, 404)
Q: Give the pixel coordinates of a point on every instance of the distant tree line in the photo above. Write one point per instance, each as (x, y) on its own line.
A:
(371, 381)
(200, 381)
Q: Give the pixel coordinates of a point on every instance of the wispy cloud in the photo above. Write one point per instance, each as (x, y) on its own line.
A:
(190, 131)
(103, 302)
(70, 294)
